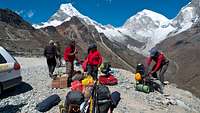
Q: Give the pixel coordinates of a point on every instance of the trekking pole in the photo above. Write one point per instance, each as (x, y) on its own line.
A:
(94, 97)
(89, 102)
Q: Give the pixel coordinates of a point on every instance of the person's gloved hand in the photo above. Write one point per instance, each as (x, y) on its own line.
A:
(151, 73)
(145, 79)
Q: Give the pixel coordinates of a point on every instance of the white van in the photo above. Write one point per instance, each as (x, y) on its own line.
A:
(10, 74)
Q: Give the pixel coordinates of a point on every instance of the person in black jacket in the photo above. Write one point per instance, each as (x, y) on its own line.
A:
(50, 53)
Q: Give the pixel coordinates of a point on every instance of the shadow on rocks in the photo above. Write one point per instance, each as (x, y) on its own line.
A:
(11, 108)
(19, 89)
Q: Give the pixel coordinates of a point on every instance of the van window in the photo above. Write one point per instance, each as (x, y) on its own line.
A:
(2, 59)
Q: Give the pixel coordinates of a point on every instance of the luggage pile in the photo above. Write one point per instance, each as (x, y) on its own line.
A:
(86, 95)
(146, 83)
(93, 99)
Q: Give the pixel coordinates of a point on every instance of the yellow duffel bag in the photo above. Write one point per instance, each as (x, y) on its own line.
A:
(87, 81)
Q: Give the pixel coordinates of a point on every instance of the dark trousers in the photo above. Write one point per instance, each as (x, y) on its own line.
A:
(93, 71)
(162, 71)
(51, 62)
(69, 72)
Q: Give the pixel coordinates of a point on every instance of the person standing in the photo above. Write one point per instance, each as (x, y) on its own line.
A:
(69, 57)
(94, 60)
(50, 54)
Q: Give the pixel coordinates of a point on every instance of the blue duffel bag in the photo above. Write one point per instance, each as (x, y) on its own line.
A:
(115, 97)
(48, 103)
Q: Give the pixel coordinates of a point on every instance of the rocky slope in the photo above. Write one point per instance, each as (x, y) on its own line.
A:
(85, 34)
(19, 37)
(36, 87)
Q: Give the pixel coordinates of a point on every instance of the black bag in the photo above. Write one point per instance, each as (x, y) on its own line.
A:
(74, 99)
(115, 97)
(106, 67)
(140, 69)
(103, 99)
(103, 92)
(103, 106)
(48, 103)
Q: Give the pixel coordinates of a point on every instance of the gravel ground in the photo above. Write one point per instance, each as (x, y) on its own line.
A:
(36, 87)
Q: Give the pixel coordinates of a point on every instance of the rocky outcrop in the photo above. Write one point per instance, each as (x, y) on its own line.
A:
(14, 19)
(19, 37)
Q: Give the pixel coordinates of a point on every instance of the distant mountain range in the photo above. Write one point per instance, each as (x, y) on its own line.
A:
(146, 26)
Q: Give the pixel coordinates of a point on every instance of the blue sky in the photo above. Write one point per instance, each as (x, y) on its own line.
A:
(114, 12)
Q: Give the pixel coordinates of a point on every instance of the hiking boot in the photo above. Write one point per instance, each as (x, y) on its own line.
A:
(165, 82)
(53, 77)
(50, 75)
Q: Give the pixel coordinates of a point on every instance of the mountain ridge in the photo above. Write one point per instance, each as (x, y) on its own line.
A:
(146, 26)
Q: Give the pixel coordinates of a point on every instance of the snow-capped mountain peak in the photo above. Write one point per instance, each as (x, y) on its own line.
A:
(70, 10)
(153, 15)
(187, 16)
(152, 26)
(65, 12)
(145, 19)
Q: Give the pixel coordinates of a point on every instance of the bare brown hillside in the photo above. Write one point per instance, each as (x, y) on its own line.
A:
(20, 38)
(184, 51)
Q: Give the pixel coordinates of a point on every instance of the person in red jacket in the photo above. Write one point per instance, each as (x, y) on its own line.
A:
(94, 60)
(69, 57)
(161, 64)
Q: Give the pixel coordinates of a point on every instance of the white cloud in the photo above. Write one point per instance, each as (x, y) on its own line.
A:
(25, 13)
(30, 13)
(19, 12)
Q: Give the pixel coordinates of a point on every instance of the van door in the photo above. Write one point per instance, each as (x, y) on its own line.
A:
(3, 68)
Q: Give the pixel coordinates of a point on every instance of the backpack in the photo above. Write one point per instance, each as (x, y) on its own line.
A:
(73, 101)
(48, 103)
(105, 67)
(103, 106)
(103, 92)
(104, 101)
(140, 68)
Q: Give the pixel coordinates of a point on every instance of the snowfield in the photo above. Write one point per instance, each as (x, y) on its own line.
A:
(36, 87)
